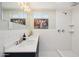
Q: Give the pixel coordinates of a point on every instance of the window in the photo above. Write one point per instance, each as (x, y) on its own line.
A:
(40, 21)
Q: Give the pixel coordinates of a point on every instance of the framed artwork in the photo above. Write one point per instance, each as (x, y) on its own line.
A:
(18, 20)
(40, 23)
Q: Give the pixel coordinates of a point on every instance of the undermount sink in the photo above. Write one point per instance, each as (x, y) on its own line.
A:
(29, 44)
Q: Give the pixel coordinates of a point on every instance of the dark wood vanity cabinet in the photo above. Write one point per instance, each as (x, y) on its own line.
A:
(20, 54)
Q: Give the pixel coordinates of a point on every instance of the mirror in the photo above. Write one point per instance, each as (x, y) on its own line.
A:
(25, 15)
(15, 15)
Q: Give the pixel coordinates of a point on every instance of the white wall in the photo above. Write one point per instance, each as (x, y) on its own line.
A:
(0, 11)
(1, 41)
(47, 40)
(10, 13)
(75, 35)
(4, 25)
(62, 22)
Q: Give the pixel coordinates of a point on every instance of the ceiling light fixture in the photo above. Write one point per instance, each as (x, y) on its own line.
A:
(25, 6)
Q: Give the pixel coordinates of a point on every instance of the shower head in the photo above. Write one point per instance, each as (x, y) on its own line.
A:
(75, 3)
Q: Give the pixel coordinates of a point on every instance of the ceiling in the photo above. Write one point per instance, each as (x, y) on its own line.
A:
(39, 5)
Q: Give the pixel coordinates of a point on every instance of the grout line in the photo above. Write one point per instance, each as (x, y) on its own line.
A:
(60, 53)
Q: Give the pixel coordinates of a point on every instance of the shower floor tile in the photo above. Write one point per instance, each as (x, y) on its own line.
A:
(69, 53)
(48, 54)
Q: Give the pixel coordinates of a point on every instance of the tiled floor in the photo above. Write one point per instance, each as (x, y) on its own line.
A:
(66, 53)
(69, 53)
(49, 54)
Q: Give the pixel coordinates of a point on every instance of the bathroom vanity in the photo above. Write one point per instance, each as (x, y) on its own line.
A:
(27, 48)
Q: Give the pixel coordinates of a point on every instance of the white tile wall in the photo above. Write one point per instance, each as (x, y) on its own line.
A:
(75, 35)
(1, 41)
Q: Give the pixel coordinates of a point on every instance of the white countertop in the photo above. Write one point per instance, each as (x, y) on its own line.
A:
(28, 45)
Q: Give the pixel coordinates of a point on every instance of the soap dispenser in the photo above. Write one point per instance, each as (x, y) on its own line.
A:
(24, 36)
